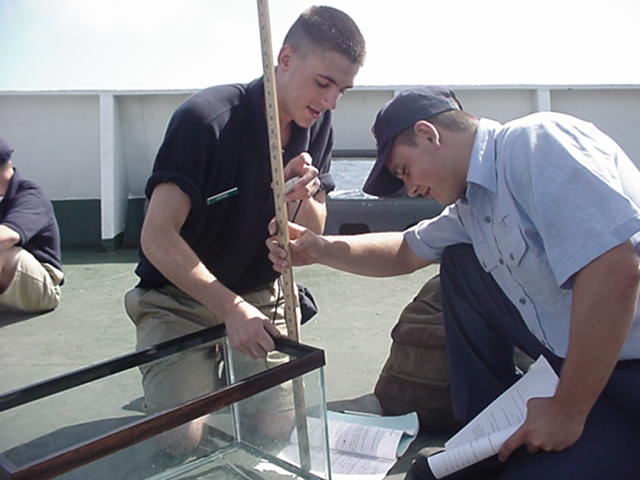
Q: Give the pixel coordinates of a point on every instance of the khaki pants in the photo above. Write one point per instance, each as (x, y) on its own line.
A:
(35, 286)
(166, 313)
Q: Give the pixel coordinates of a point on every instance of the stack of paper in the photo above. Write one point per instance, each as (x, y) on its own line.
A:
(362, 446)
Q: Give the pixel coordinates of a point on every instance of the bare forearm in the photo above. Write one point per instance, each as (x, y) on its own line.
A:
(171, 255)
(381, 254)
(8, 238)
(604, 300)
(310, 213)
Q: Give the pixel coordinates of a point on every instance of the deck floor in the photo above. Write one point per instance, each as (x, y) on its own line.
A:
(90, 326)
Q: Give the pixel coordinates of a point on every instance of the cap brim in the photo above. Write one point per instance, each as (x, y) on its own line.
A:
(380, 181)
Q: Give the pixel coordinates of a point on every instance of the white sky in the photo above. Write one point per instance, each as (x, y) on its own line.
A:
(175, 44)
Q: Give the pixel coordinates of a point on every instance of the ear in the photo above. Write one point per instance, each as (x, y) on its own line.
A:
(428, 132)
(285, 57)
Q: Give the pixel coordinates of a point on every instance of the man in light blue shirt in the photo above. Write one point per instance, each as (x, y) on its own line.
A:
(539, 248)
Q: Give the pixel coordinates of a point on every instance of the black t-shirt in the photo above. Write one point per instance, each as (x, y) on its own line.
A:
(216, 140)
(26, 210)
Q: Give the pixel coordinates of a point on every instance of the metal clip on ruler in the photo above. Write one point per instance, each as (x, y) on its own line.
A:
(277, 173)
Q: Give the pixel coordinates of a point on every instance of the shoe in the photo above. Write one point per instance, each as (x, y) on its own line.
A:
(489, 469)
(420, 469)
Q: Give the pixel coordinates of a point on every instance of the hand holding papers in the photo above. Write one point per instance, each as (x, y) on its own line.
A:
(485, 434)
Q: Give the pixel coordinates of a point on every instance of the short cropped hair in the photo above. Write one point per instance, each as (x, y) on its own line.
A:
(327, 28)
(453, 120)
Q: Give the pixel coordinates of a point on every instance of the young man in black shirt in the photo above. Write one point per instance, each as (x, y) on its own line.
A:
(204, 265)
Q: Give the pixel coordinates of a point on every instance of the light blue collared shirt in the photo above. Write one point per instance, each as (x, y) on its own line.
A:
(546, 195)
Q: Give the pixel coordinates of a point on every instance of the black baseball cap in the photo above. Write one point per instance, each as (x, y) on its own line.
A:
(5, 152)
(395, 116)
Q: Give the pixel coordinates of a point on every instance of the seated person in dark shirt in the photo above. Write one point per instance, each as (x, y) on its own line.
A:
(30, 265)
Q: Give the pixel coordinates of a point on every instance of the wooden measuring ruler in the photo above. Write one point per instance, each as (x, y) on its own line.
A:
(280, 204)
(277, 170)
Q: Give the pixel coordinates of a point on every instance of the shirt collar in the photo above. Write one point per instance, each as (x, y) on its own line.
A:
(482, 163)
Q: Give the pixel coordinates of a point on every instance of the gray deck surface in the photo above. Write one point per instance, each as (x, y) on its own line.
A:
(353, 326)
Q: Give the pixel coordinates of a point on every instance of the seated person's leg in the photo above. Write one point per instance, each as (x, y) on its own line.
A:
(482, 324)
(482, 327)
(179, 378)
(25, 284)
(160, 317)
(271, 411)
(623, 389)
(607, 449)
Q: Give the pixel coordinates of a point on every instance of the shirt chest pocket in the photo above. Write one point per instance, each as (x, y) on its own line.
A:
(486, 255)
(527, 266)
(506, 247)
(512, 246)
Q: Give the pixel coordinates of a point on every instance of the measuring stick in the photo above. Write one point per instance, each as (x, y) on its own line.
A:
(277, 171)
(280, 204)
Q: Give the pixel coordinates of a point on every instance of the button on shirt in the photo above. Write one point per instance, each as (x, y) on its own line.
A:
(546, 195)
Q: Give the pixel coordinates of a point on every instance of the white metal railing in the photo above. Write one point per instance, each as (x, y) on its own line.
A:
(101, 144)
